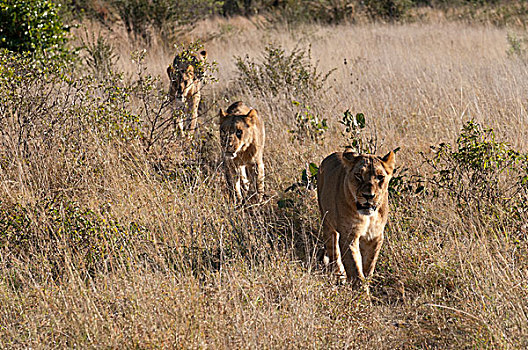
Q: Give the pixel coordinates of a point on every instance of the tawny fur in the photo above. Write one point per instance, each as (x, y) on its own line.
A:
(185, 87)
(353, 199)
(242, 136)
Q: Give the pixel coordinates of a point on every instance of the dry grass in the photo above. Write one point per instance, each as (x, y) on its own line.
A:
(199, 273)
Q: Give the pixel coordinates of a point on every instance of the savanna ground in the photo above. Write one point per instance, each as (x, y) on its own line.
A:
(107, 244)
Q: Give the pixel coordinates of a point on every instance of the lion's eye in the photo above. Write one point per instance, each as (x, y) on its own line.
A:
(359, 177)
(239, 133)
(380, 178)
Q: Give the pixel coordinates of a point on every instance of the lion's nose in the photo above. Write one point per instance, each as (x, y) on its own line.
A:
(368, 196)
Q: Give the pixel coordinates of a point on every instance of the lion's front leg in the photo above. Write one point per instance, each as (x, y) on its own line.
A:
(370, 252)
(194, 111)
(352, 260)
(333, 253)
(178, 114)
(260, 178)
(241, 180)
(233, 179)
(242, 175)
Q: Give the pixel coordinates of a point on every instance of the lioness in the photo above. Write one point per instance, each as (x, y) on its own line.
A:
(352, 191)
(242, 137)
(185, 85)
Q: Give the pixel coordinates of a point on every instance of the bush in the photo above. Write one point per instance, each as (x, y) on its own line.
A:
(279, 72)
(354, 134)
(480, 173)
(517, 47)
(388, 9)
(55, 228)
(161, 116)
(54, 122)
(326, 11)
(35, 108)
(100, 55)
(244, 7)
(163, 15)
(31, 25)
(308, 124)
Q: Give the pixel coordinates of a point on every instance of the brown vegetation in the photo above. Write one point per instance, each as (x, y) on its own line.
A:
(107, 245)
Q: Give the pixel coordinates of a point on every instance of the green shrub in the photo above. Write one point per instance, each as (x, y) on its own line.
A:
(354, 133)
(308, 124)
(44, 101)
(31, 25)
(332, 11)
(279, 72)
(55, 228)
(187, 53)
(325, 11)
(480, 173)
(308, 179)
(244, 7)
(163, 15)
(388, 9)
(517, 46)
(160, 115)
(100, 55)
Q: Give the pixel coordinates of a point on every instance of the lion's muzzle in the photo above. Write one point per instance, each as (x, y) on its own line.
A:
(366, 209)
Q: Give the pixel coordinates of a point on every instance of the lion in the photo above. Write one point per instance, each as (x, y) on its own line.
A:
(185, 86)
(352, 191)
(242, 138)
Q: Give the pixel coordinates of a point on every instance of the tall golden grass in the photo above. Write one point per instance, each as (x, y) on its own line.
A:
(193, 271)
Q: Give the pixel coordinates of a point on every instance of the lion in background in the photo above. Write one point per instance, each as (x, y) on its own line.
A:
(352, 191)
(185, 74)
(242, 138)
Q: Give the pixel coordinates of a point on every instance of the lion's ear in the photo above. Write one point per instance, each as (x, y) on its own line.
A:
(203, 55)
(221, 116)
(388, 162)
(252, 116)
(350, 158)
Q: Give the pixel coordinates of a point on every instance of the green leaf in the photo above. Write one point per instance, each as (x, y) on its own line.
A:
(314, 169)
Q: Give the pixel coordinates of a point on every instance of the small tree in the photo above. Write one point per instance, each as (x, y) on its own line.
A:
(31, 25)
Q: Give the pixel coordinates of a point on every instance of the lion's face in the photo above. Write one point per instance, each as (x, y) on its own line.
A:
(181, 80)
(368, 180)
(236, 133)
(183, 75)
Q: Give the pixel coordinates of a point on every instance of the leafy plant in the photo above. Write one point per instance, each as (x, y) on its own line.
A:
(517, 46)
(308, 124)
(480, 172)
(331, 11)
(388, 9)
(354, 133)
(100, 54)
(31, 25)
(163, 15)
(204, 69)
(55, 228)
(279, 72)
(404, 183)
(160, 115)
(308, 179)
